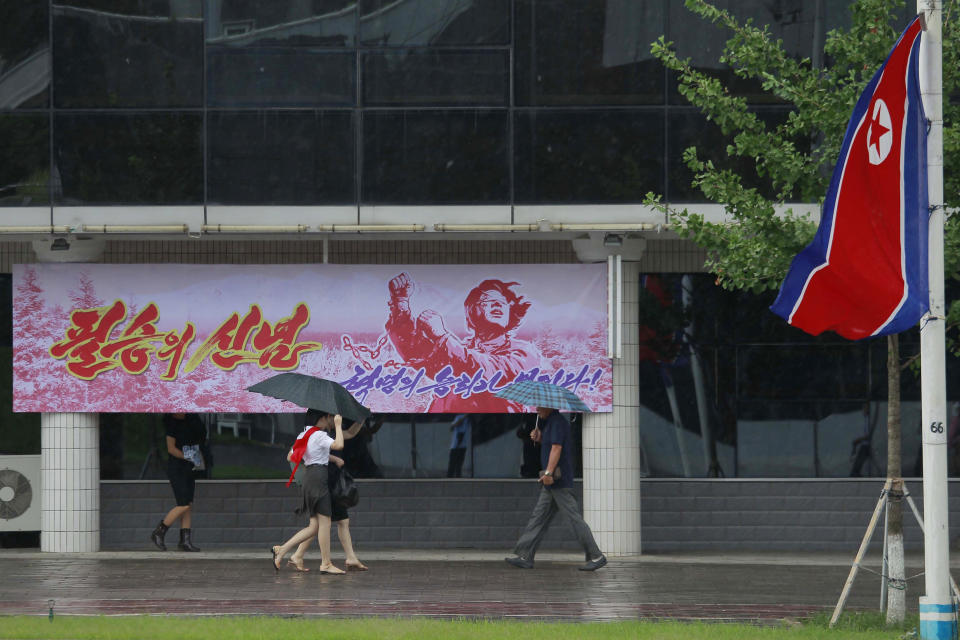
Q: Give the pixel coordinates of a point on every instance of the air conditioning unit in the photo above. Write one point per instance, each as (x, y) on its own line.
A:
(19, 493)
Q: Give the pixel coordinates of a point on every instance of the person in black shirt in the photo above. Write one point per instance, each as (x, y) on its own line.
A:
(184, 434)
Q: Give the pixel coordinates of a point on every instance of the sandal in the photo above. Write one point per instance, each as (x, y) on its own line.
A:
(273, 553)
(357, 567)
(298, 567)
(332, 570)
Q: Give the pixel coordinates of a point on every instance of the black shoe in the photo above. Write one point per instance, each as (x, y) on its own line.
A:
(158, 534)
(186, 544)
(593, 565)
(520, 563)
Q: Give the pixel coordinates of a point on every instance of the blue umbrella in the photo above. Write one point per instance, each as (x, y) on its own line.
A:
(543, 394)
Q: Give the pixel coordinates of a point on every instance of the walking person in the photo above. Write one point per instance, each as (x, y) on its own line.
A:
(312, 448)
(556, 494)
(339, 515)
(184, 435)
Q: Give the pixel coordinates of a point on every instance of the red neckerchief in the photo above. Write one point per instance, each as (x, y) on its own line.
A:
(299, 450)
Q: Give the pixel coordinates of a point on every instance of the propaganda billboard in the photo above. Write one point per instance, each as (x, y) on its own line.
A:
(402, 339)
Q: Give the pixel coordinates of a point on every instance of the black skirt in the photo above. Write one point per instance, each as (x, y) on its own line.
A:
(314, 491)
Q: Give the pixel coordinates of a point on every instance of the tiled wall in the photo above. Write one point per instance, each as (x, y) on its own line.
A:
(663, 254)
(785, 515)
(756, 515)
(416, 514)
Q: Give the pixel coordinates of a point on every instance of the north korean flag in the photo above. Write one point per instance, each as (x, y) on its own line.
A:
(865, 273)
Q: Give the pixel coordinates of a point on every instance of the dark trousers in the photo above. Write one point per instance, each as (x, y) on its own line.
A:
(548, 504)
(455, 463)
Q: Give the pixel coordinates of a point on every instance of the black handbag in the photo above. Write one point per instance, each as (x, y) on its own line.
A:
(344, 491)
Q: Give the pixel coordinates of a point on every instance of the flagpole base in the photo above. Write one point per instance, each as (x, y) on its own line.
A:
(938, 620)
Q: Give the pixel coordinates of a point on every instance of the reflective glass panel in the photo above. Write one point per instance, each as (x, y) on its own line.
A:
(318, 23)
(687, 127)
(288, 77)
(24, 54)
(435, 157)
(25, 161)
(434, 22)
(588, 52)
(19, 432)
(800, 24)
(280, 157)
(140, 158)
(588, 156)
(425, 77)
(128, 54)
(254, 446)
(842, 371)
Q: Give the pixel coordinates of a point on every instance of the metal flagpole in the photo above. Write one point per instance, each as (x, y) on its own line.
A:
(937, 609)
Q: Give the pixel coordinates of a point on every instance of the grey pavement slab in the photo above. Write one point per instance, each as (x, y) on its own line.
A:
(715, 586)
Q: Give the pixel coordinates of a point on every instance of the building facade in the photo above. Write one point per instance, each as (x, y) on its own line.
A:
(427, 132)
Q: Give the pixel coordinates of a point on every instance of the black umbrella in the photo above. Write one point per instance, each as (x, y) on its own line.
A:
(313, 393)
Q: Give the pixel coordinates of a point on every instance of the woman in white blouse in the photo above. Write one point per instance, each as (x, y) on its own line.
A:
(316, 496)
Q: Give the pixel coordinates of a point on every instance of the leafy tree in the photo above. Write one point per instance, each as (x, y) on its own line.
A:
(794, 159)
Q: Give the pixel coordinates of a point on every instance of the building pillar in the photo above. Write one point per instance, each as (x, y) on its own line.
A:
(70, 482)
(611, 444)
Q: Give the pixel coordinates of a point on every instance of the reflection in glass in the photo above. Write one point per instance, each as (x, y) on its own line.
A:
(800, 24)
(436, 78)
(591, 52)
(724, 393)
(280, 157)
(254, 446)
(687, 127)
(134, 55)
(151, 158)
(288, 77)
(440, 157)
(588, 156)
(24, 55)
(19, 432)
(318, 23)
(25, 161)
(434, 22)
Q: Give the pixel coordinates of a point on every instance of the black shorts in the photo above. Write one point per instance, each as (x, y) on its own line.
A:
(182, 481)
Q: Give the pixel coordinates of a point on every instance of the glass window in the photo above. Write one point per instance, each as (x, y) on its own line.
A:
(255, 446)
(448, 78)
(771, 372)
(25, 161)
(434, 22)
(24, 54)
(435, 157)
(722, 394)
(588, 156)
(687, 127)
(318, 23)
(131, 54)
(589, 52)
(291, 77)
(801, 26)
(281, 157)
(141, 158)
(19, 432)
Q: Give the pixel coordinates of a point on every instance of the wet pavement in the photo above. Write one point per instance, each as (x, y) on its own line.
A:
(472, 584)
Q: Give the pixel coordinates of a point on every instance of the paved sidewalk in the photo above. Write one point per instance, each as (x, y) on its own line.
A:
(709, 586)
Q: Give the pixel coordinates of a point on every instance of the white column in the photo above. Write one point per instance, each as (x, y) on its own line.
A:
(611, 444)
(70, 481)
